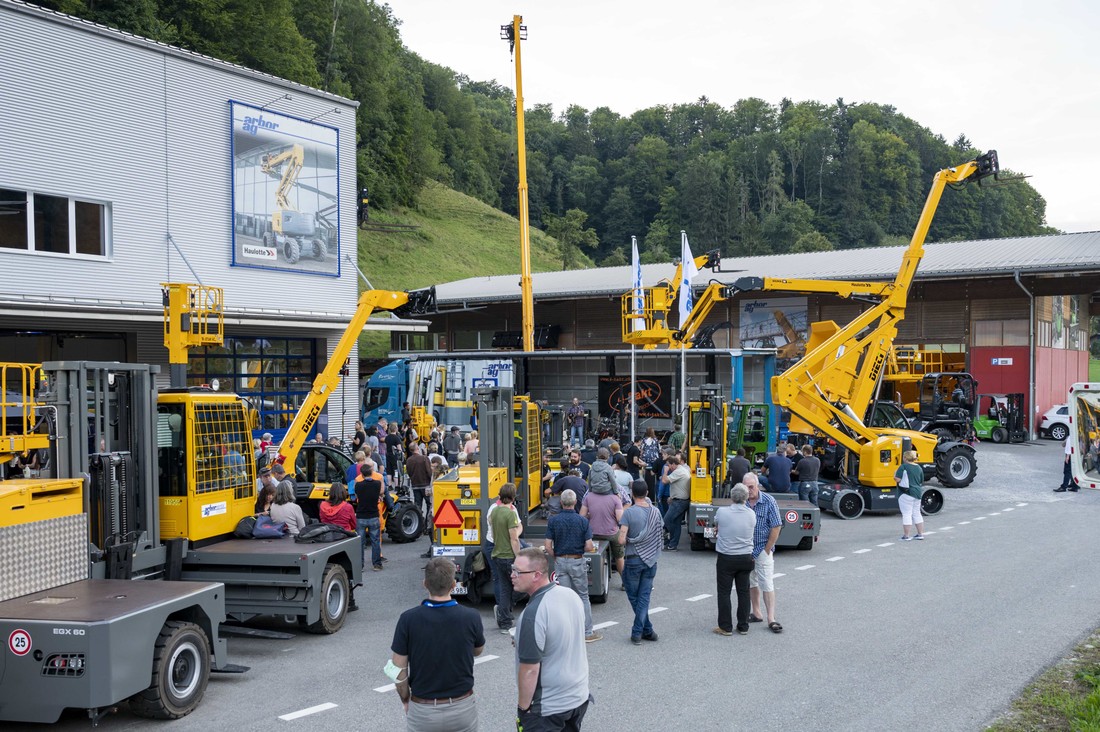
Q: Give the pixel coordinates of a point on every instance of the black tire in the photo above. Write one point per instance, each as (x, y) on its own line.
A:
(269, 240)
(848, 504)
(405, 524)
(181, 669)
(698, 542)
(999, 435)
(601, 599)
(942, 433)
(806, 543)
(1058, 432)
(334, 597)
(956, 467)
(320, 249)
(292, 251)
(931, 502)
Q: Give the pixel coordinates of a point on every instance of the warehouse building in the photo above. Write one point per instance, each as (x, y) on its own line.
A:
(1017, 308)
(129, 163)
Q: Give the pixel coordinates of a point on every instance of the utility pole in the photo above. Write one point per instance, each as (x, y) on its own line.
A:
(514, 33)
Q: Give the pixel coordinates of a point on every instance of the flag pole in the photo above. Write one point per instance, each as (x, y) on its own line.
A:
(636, 268)
(685, 292)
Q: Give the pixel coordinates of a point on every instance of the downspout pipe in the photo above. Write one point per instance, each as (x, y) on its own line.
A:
(1033, 410)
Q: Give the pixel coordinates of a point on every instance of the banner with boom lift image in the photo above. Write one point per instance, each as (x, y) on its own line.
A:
(286, 193)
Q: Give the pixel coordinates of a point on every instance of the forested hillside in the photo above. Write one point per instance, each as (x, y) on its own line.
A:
(755, 178)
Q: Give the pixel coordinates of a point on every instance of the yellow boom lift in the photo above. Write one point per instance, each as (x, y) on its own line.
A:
(831, 390)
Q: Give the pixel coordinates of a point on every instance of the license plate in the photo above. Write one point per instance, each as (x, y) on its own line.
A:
(709, 532)
(460, 589)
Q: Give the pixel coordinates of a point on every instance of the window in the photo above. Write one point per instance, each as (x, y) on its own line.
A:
(274, 374)
(421, 342)
(1000, 333)
(57, 225)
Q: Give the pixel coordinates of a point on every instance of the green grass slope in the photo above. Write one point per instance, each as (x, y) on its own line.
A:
(458, 237)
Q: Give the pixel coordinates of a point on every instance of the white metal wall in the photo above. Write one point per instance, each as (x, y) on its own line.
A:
(93, 114)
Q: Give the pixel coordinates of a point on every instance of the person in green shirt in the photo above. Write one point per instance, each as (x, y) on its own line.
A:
(676, 439)
(506, 530)
(910, 478)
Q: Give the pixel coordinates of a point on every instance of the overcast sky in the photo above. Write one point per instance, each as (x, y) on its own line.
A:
(1020, 77)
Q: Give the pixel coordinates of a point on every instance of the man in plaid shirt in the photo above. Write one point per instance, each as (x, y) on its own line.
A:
(764, 537)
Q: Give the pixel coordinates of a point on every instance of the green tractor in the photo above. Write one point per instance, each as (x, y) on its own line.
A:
(1000, 418)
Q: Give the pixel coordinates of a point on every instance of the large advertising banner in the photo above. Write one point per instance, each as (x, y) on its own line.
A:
(780, 323)
(652, 394)
(286, 193)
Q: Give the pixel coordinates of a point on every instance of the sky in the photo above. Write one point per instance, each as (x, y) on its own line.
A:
(1019, 77)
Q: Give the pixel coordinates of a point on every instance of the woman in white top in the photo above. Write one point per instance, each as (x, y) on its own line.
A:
(471, 443)
(285, 510)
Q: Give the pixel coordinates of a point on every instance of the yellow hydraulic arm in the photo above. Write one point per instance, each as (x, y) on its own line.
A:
(294, 157)
(657, 304)
(515, 32)
(414, 302)
(829, 390)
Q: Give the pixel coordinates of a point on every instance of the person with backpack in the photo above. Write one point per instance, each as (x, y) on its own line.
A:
(640, 532)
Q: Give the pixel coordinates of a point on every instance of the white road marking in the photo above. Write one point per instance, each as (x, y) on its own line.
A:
(1021, 504)
(979, 518)
(963, 523)
(804, 567)
(1008, 509)
(697, 598)
(391, 687)
(311, 710)
(777, 575)
(998, 513)
(834, 559)
(655, 610)
(946, 528)
(889, 543)
(927, 533)
(861, 551)
(608, 624)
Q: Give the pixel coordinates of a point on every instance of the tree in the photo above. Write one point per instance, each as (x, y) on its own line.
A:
(572, 236)
(812, 241)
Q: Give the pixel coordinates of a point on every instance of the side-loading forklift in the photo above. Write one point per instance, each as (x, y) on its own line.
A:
(706, 447)
(510, 437)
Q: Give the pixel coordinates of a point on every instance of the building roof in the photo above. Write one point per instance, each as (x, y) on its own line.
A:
(125, 37)
(1028, 255)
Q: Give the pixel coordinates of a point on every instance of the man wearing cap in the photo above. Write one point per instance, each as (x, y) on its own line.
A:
(452, 445)
(266, 479)
(434, 646)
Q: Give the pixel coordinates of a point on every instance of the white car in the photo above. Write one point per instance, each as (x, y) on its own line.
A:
(1055, 422)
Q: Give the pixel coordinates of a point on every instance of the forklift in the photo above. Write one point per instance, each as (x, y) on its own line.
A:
(1000, 418)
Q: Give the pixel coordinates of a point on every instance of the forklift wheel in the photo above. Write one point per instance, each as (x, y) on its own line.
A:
(181, 668)
(1000, 434)
(848, 504)
(698, 543)
(405, 523)
(335, 596)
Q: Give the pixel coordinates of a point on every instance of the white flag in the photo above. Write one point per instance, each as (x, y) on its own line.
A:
(636, 268)
(688, 270)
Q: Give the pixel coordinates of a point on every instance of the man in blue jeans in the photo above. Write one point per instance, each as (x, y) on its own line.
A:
(575, 418)
(368, 492)
(640, 533)
(506, 530)
(679, 486)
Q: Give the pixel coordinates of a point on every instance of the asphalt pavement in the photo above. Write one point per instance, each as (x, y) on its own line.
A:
(878, 634)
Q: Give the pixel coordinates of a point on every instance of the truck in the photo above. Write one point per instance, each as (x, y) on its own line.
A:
(707, 446)
(510, 452)
(444, 387)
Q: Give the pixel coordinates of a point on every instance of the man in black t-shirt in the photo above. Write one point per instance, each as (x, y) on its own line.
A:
(368, 492)
(394, 452)
(634, 462)
(738, 466)
(433, 649)
(807, 469)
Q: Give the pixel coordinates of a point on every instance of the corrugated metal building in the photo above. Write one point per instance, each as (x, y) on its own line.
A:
(1018, 307)
(128, 163)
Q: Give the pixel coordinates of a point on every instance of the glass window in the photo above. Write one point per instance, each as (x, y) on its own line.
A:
(13, 219)
(261, 373)
(51, 224)
(91, 229)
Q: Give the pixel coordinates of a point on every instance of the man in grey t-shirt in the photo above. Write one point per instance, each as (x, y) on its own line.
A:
(552, 667)
(736, 524)
(640, 533)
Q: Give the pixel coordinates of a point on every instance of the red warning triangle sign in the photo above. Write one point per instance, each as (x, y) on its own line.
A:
(448, 517)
